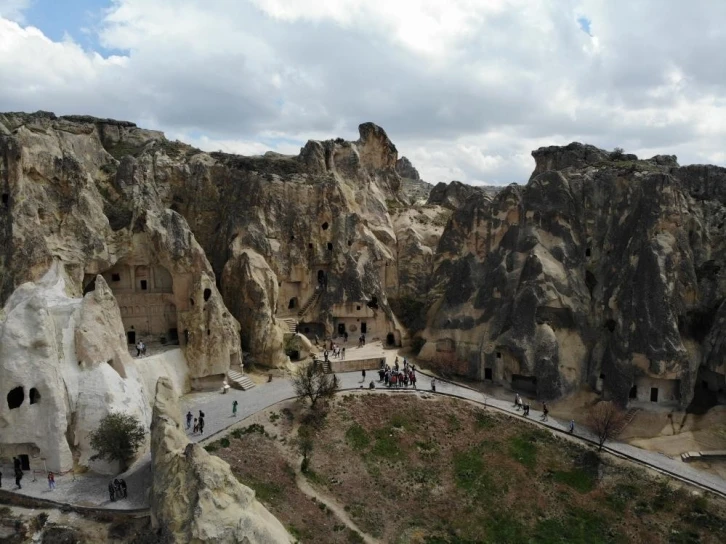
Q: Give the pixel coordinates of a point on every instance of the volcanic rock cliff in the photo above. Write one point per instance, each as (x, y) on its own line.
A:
(195, 498)
(603, 269)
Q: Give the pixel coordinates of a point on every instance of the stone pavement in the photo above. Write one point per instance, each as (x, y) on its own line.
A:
(91, 489)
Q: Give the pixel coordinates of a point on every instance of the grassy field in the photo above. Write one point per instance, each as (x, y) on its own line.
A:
(438, 470)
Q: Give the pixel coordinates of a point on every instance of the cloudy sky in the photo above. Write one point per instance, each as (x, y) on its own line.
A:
(465, 88)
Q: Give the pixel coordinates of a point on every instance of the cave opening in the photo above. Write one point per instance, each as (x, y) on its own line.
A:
(115, 277)
(633, 394)
(310, 245)
(330, 246)
(6, 198)
(16, 397)
(611, 324)
(34, 396)
(292, 304)
(373, 304)
(144, 285)
(325, 226)
(488, 374)
(588, 252)
(207, 294)
(391, 339)
(590, 282)
(350, 243)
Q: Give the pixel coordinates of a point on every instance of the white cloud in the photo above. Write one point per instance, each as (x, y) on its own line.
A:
(465, 88)
(13, 9)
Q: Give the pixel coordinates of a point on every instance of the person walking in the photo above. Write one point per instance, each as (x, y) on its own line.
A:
(572, 426)
(18, 477)
(517, 402)
(545, 411)
(342, 353)
(139, 345)
(363, 373)
(433, 385)
(234, 408)
(189, 419)
(201, 425)
(196, 426)
(112, 491)
(51, 481)
(124, 489)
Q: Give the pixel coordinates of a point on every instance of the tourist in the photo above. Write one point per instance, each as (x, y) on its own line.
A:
(18, 477)
(201, 414)
(1, 477)
(572, 426)
(363, 373)
(234, 408)
(189, 419)
(196, 426)
(51, 481)
(342, 353)
(395, 365)
(325, 355)
(413, 379)
(381, 374)
(405, 379)
(392, 380)
(139, 345)
(112, 491)
(433, 385)
(345, 337)
(526, 410)
(124, 489)
(545, 411)
(517, 402)
(143, 349)
(269, 377)
(117, 489)
(201, 425)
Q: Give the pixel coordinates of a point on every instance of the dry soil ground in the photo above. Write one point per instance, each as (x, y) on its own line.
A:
(414, 468)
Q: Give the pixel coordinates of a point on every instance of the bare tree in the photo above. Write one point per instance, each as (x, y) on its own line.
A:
(606, 420)
(313, 383)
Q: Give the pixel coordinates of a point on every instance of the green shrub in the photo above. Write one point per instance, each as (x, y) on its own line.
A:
(578, 479)
(224, 442)
(524, 449)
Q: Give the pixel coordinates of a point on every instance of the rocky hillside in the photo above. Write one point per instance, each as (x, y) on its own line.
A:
(602, 269)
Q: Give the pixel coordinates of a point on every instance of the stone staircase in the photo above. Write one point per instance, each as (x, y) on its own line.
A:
(629, 416)
(239, 380)
(312, 300)
(289, 323)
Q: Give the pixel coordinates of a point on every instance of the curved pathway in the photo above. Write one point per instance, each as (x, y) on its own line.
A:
(91, 490)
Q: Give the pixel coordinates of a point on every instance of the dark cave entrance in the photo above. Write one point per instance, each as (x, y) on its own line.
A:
(131, 337)
(391, 339)
(527, 384)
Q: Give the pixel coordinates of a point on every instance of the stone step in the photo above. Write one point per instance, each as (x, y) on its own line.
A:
(290, 323)
(239, 380)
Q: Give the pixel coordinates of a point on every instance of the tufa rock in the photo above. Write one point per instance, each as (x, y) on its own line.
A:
(194, 496)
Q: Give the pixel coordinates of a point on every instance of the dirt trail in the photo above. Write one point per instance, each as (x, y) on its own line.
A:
(333, 505)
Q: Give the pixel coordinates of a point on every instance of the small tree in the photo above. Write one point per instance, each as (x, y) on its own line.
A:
(313, 383)
(606, 421)
(305, 445)
(617, 153)
(117, 438)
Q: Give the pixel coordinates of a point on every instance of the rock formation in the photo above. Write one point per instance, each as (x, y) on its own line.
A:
(64, 367)
(195, 498)
(603, 269)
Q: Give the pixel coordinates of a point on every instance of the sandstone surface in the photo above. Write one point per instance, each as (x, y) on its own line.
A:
(195, 498)
(602, 269)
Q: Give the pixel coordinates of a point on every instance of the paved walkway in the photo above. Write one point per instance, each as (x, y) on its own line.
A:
(91, 490)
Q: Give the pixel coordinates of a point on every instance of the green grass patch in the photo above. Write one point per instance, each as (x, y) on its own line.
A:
(471, 475)
(357, 437)
(577, 527)
(484, 420)
(523, 449)
(266, 491)
(386, 444)
(578, 479)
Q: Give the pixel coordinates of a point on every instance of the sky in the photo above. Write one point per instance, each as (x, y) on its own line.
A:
(466, 89)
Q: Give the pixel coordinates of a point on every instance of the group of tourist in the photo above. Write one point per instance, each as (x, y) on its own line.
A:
(334, 351)
(117, 489)
(140, 349)
(397, 376)
(198, 426)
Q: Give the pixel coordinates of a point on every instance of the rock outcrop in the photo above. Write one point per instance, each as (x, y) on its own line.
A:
(195, 498)
(603, 269)
(64, 367)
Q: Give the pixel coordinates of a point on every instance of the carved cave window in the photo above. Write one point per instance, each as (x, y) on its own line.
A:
(6, 198)
(115, 277)
(143, 285)
(16, 397)
(34, 396)
(325, 226)
(207, 294)
(330, 246)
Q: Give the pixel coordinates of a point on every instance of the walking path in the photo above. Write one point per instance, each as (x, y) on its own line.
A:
(91, 490)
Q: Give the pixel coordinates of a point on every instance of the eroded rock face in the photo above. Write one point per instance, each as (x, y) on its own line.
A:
(194, 496)
(603, 269)
(64, 367)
